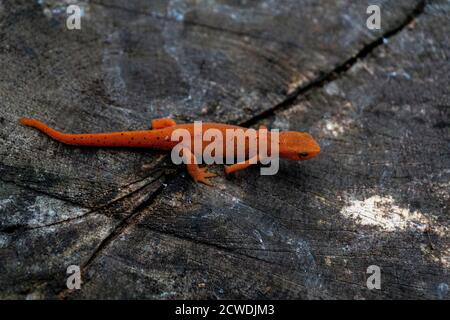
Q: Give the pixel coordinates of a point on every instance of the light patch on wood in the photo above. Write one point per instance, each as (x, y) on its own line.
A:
(281, 124)
(296, 83)
(332, 89)
(5, 202)
(46, 210)
(382, 212)
(334, 128)
(437, 256)
(4, 241)
(57, 8)
(258, 236)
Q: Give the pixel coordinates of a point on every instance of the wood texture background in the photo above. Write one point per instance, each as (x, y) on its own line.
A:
(377, 101)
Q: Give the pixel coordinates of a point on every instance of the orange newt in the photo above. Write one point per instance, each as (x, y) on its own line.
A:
(291, 144)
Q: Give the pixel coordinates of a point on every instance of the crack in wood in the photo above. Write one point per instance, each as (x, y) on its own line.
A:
(23, 228)
(206, 243)
(338, 71)
(132, 219)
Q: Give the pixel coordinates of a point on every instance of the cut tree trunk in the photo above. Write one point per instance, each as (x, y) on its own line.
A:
(138, 227)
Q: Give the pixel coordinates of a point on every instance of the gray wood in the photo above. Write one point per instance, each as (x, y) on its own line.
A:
(378, 193)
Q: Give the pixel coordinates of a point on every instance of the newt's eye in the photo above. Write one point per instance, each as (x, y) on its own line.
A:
(303, 154)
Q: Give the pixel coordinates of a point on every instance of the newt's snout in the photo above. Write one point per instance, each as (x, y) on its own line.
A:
(311, 150)
(298, 145)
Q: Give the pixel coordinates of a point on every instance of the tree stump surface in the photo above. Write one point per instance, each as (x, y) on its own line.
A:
(139, 228)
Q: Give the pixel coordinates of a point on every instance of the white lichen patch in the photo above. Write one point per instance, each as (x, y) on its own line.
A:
(334, 128)
(5, 202)
(46, 210)
(441, 256)
(357, 67)
(328, 260)
(280, 123)
(36, 295)
(296, 82)
(259, 237)
(55, 8)
(442, 290)
(445, 257)
(332, 89)
(283, 119)
(382, 212)
(4, 241)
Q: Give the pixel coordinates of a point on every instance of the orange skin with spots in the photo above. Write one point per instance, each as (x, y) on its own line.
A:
(292, 145)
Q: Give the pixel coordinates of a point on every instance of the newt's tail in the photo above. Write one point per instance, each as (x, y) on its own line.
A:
(44, 128)
(114, 139)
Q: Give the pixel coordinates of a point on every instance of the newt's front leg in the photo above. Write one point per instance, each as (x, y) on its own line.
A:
(197, 173)
(162, 123)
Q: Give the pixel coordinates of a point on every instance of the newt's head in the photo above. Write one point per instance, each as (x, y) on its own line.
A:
(297, 145)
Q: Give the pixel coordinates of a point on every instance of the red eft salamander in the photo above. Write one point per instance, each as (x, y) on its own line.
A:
(293, 145)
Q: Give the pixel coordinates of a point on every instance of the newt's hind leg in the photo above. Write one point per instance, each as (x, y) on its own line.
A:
(163, 123)
(240, 165)
(197, 173)
(245, 164)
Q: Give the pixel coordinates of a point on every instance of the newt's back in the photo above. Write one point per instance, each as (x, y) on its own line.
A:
(210, 135)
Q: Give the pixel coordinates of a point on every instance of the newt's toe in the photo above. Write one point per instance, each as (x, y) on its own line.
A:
(205, 181)
(202, 176)
(209, 175)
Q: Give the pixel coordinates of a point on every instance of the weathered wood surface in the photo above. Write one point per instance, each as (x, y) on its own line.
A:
(377, 195)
